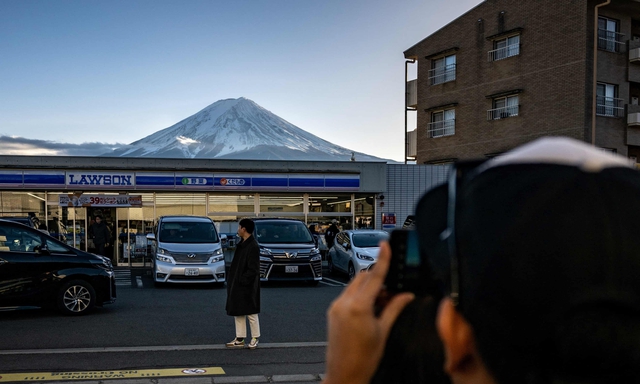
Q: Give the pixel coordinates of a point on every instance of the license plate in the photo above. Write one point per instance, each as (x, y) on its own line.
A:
(191, 272)
(291, 268)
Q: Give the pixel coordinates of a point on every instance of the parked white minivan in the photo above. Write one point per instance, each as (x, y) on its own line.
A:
(187, 249)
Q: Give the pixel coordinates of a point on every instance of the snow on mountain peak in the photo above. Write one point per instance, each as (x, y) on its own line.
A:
(238, 129)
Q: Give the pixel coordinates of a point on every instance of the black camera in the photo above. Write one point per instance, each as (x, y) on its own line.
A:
(408, 271)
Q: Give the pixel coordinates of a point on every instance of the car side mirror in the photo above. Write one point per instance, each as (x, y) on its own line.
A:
(224, 240)
(41, 250)
(151, 236)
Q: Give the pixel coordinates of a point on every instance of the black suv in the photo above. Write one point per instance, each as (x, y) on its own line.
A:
(38, 270)
(287, 251)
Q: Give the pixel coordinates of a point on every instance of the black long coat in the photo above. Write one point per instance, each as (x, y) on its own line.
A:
(243, 280)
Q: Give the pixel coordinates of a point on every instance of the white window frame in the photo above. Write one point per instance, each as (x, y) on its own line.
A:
(443, 123)
(607, 101)
(505, 48)
(609, 37)
(504, 107)
(443, 69)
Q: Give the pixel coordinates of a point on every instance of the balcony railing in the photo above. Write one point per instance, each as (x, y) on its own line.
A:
(503, 113)
(610, 40)
(609, 106)
(442, 74)
(412, 143)
(504, 52)
(442, 128)
(412, 94)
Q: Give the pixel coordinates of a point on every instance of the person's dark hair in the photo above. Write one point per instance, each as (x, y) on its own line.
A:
(98, 217)
(547, 263)
(248, 224)
(414, 352)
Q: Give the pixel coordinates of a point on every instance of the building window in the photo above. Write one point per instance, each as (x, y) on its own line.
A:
(504, 48)
(609, 39)
(443, 123)
(443, 70)
(607, 102)
(503, 107)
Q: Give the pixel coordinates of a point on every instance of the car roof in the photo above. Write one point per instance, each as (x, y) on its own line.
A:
(276, 219)
(358, 231)
(174, 219)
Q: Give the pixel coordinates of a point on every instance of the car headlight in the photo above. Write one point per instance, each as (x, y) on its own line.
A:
(265, 259)
(316, 258)
(265, 251)
(315, 250)
(217, 252)
(364, 257)
(165, 259)
(215, 259)
(162, 251)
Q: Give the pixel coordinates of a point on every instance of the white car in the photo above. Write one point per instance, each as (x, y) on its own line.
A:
(187, 249)
(355, 250)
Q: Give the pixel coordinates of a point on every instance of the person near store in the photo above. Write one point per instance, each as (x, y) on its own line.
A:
(101, 235)
(243, 287)
(331, 232)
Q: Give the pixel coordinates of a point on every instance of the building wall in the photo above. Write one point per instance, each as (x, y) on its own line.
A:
(553, 72)
(405, 186)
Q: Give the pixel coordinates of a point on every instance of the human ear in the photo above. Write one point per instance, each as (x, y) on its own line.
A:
(457, 338)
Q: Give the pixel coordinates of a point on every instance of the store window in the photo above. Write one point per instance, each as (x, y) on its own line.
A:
(181, 204)
(281, 205)
(230, 204)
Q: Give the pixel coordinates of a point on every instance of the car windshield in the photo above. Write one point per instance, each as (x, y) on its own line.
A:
(367, 240)
(187, 232)
(282, 232)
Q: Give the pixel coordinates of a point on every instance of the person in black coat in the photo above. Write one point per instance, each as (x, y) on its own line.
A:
(101, 235)
(243, 286)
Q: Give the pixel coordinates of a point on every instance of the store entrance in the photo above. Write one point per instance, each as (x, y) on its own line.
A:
(108, 216)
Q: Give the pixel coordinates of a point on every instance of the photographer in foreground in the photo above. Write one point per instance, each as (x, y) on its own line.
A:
(539, 258)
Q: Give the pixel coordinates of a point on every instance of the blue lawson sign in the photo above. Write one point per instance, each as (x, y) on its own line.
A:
(87, 180)
(100, 179)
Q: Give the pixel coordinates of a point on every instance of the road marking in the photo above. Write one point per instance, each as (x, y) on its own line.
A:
(156, 348)
(107, 375)
(340, 284)
(123, 277)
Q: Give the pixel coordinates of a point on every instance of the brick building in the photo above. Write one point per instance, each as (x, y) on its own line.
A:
(507, 72)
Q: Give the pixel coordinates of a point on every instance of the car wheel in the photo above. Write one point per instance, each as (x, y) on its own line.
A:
(330, 268)
(76, 297)
(352, 271)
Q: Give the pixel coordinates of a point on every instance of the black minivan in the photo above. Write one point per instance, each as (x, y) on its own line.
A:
(38, 270)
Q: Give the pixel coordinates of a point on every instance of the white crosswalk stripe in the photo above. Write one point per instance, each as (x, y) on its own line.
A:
(123, 277)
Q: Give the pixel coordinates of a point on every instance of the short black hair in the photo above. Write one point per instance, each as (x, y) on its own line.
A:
(247, 224)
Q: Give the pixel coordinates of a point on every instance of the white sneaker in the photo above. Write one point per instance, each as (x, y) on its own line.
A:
(254, 343)
(235, 343)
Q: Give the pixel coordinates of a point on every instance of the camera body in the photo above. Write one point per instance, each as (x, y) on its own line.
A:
(408, 271)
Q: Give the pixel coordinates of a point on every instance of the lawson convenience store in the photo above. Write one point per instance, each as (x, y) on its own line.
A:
(66, 193)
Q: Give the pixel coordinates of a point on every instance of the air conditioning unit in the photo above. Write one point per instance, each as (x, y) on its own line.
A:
(633, 119)
(634, 55)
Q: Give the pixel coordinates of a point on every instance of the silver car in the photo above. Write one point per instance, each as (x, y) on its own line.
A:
(187, 249)
(355, 250)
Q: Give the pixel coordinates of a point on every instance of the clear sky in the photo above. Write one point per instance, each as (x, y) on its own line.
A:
(119, 70)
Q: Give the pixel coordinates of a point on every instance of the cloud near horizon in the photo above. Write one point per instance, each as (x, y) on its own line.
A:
(12, 145)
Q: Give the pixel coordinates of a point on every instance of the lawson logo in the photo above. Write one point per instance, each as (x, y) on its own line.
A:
(102, 179)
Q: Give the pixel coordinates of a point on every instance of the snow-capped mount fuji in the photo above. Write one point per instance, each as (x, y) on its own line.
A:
(237, 129)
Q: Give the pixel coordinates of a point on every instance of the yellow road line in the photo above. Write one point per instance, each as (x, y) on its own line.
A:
(105, 375)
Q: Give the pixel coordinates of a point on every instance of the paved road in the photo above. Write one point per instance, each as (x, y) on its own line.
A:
(174, 326)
